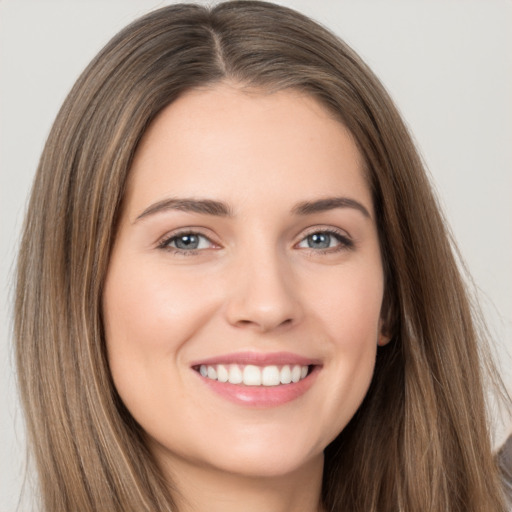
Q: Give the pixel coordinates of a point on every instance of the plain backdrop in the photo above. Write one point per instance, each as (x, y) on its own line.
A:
(447, 64)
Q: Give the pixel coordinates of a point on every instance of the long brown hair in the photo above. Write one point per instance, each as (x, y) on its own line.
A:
(420, 440)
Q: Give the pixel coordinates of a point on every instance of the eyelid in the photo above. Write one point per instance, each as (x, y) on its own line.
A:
(163, 242)
(324, 229)
(343, 237)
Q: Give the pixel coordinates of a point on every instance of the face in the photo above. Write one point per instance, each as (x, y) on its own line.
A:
(243, 297)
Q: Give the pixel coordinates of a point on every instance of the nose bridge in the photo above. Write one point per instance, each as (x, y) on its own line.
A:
(263, 292)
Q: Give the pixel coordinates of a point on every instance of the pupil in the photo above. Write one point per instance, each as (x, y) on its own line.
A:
(319, 240)
(187, 242)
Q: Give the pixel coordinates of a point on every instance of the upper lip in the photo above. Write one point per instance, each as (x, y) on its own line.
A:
(259, 359)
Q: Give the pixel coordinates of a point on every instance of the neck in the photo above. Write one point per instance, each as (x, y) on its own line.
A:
(204, 489)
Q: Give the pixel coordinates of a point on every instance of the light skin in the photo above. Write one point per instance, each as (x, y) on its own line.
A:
(247, 227)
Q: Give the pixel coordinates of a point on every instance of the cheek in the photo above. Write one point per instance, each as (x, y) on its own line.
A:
(348, 305)
(151, 310)
(149, 315)
(349, 315)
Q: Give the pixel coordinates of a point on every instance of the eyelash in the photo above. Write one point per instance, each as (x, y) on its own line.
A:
(345, 243)
(164, 244)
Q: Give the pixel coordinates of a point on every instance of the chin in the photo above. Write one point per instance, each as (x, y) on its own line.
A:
(272, 451)
(274, 463)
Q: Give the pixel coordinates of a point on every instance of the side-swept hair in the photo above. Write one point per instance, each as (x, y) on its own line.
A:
(420, 440)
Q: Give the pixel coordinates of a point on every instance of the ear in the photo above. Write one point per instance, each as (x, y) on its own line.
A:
(387, 321)
(384, 337)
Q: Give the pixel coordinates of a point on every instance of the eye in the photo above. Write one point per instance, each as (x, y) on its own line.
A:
(186, 242)
(325, 240)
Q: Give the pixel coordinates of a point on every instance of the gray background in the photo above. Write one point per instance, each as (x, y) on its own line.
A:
(447, 63)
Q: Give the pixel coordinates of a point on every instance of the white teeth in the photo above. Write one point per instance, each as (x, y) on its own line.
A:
(235, 374)
(212, 373)
(251, 375)
(222, 373)
(296, 373)
(270, 376)
(286, 375)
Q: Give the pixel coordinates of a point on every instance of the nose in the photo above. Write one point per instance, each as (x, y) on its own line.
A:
(263, 293)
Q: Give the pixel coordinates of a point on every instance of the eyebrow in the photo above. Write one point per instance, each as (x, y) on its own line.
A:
(203, 206)
(220, 209)
(329, 203)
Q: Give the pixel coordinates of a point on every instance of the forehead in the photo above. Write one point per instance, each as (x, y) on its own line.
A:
(237, 144)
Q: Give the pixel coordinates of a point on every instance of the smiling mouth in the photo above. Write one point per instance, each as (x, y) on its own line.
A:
(252, 375)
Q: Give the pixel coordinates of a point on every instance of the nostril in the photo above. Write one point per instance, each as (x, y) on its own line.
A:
(265, 324)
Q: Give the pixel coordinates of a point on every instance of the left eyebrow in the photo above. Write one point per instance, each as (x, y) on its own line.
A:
(329, 203)
(202, 206)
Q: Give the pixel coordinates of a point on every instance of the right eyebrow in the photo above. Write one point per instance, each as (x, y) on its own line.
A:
(203, 206)
(330, 203)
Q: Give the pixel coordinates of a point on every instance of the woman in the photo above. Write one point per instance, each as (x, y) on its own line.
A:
(235, 288)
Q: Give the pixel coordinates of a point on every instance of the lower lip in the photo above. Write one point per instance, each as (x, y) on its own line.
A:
(262, 396)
